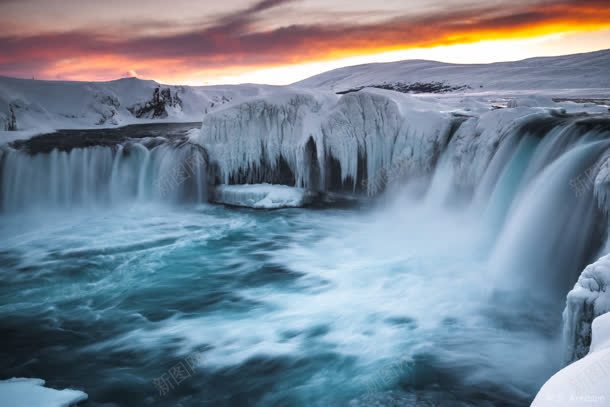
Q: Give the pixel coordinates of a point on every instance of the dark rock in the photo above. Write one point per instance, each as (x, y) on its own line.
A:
(66, 140)
(156, 108)
(415, 87)
(11, 124)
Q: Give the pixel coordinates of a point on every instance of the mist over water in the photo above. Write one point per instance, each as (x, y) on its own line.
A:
(295, 306)
(431, 295)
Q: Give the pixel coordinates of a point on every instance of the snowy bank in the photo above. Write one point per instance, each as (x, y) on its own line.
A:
(585, 382)
(41, 106)
(589, 299)
(262, 196)
(23, 392)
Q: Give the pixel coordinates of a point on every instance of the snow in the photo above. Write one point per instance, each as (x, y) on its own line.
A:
(23, 392)
(585, 382)
(261, 196)
(42, 106)
(589, 298)
(582, 73)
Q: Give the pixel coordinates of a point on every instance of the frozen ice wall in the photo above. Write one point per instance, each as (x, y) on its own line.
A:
(322, 142)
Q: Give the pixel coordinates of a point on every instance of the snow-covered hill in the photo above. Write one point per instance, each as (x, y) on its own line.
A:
(27, 104)
(588, 73)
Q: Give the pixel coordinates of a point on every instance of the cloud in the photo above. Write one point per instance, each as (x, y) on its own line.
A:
(237, 40)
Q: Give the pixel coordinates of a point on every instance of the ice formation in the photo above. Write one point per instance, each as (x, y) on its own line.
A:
(589, 299)
(322, 142)
(261, 196)
(22, 392)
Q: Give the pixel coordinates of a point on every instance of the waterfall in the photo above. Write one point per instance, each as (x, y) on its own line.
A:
(551, 225)
(102, 175)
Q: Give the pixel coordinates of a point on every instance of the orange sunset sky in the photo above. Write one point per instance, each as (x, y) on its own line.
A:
(280, 41)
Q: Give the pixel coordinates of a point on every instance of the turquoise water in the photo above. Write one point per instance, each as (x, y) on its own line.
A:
(423, 296)
(389, 303)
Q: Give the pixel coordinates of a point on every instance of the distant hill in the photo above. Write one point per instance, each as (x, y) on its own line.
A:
(579, 71)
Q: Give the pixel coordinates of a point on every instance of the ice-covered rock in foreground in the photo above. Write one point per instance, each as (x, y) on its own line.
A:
(585, 382)
(262, 196)
(24, 392)
(589, 298)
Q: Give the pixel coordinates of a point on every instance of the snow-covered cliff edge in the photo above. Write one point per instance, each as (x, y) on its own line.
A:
(585, 382)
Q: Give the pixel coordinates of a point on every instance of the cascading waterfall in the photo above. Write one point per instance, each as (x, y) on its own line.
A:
(550, 228)
(550, 232)
(103, 175)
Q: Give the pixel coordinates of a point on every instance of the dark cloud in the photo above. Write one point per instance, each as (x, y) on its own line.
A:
(265, 5)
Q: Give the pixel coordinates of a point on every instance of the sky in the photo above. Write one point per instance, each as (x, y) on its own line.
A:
(280, 41)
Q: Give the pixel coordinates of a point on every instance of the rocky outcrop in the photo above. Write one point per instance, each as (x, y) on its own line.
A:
(415, 87)
(156, 107)
(9, 121)
(107, 107)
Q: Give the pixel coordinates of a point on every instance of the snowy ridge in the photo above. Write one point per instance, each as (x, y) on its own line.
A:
(587, 73)
(49, 105)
